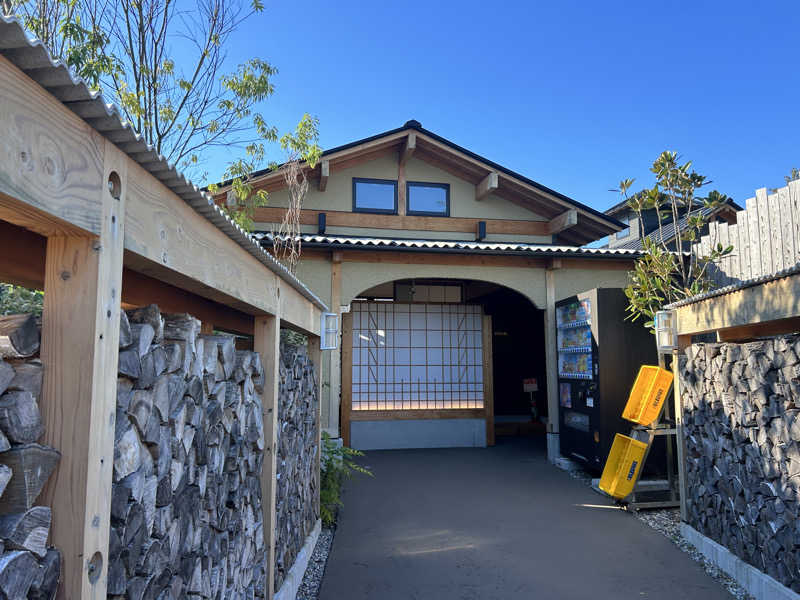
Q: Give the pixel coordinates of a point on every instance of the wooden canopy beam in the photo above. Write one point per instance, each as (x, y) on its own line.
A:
(562, 222)
(52, 182)
(324, 173)
(752, 308)
(487, 186)
(408, 148)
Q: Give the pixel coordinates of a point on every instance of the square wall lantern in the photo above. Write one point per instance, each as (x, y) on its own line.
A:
(329, 331)
(666, 323)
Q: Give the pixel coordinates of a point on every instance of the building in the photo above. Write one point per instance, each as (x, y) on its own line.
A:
(445, 268)
(637, 229)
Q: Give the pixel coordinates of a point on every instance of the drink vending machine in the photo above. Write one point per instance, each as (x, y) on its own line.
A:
(599, 355)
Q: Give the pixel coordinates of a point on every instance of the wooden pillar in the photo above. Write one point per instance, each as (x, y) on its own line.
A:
(80, 350)
(315, 354)
(347, 375)
(683, 342)
(267, 342)
(488, 379)
(207, 327)
(551, 366)
(335, 375)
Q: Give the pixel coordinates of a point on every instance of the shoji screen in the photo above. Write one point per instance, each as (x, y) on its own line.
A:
(416, 356)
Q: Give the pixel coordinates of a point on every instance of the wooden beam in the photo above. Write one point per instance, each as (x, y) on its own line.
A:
(341, 218)
(562, 222)
(22, 256)
(551, 365)
(752, 307)
(315, 354)
(324, 173)
(80, 340)
(267, 342)
(487, 186)
(488, 378)
(335, 381)
(347, 377)
(52, 182)
(409, 146)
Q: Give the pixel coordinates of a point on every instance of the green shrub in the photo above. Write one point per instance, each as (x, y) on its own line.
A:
(17, 300)
(336, 466)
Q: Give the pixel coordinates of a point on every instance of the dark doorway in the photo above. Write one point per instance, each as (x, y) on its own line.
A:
(519, 352)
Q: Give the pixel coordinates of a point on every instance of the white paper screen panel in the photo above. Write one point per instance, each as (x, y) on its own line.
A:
(416, 356)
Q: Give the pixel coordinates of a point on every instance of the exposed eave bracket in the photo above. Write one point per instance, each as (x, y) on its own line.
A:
(562, 222)
(408, 148)
(324, 173)
(487, 186)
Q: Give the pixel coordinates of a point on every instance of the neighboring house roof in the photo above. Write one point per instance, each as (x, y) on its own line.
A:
(667, 231)
(31, 57)
(451, 157)
(620, 206)
(460, 247)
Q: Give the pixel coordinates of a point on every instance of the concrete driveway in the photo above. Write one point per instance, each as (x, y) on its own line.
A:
(495, 523)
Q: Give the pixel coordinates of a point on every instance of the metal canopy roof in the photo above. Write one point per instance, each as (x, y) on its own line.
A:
(31, 57)
(454, 246)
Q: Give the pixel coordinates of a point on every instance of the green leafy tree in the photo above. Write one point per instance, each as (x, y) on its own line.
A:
(15, 299)
(668, 270)
(793, 175)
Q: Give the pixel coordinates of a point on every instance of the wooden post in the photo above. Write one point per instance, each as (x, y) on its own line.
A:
(267, 342)
(488, 379)
(335, 375)
(315, 354)
(207, 327)
(80, 338)
(683, 342)
(347, 375)
(551, 365)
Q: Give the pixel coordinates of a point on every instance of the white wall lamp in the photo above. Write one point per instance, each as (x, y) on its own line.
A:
(666, 322)
(329, 331)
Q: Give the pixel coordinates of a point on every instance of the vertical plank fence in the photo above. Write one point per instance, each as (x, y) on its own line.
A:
(765, 238)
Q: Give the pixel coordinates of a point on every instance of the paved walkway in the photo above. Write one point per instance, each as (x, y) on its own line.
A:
(498, 523)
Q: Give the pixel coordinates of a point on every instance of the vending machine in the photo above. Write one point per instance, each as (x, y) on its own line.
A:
(599, 355)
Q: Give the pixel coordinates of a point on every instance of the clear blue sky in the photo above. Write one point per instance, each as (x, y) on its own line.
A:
(575, 95)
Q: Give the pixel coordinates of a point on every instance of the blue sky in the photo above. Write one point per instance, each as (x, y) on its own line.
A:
(575, 95)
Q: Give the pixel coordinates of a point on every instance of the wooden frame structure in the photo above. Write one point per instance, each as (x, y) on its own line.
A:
(753, 309)
(95, 227)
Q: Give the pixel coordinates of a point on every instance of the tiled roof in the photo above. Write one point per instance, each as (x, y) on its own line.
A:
(31, 56)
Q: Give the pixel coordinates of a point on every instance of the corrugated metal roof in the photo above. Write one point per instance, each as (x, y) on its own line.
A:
(457, 246)
(668, 229)
(31, 56)
(735, 287)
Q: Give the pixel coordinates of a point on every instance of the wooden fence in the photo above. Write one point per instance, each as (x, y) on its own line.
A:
(765, 238)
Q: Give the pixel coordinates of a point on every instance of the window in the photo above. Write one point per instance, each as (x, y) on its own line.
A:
(428, 198)
(627, 231)
(374, 195)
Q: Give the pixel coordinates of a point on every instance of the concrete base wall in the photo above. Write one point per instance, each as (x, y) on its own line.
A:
(757, 583)
(418, 433)
(294, 577)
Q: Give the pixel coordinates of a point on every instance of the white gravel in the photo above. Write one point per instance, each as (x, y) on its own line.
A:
(312, 579)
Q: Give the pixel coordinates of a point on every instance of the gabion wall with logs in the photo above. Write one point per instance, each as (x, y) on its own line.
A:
(186, 512)
(296, 510)
(28, 568)
(741, 411)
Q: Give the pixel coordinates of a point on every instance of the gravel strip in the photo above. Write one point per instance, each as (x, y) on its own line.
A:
(668, 522)
(312, 578)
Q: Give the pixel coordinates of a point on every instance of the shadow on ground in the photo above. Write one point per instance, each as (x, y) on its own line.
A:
(495, 523)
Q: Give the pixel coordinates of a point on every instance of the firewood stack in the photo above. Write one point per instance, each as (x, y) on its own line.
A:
(28, 568)
(186, 514)
(741, 410)
(296, 511)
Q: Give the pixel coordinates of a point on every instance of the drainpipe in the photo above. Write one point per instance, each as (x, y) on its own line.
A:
(551, 363)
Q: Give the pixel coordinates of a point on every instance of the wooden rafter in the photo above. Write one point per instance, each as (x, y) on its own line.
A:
(324, 173)
(562, 222)
(408, 148)
(488, 185)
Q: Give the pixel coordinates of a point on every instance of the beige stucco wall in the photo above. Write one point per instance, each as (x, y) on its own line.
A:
(572, 281)
(338, 196)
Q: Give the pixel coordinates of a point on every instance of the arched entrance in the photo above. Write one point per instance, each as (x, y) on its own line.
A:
(429, 362)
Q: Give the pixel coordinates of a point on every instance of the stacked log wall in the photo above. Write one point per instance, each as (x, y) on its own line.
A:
(28, 568)
(186, 513)
(297, 442)
(741, 413)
